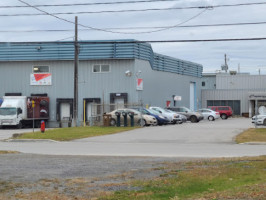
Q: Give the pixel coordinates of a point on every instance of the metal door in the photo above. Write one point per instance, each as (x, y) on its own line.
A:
(119, 103)
(91, 110)
(192, 96)
(65, 112)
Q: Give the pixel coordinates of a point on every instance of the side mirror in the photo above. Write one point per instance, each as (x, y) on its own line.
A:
(19, 110)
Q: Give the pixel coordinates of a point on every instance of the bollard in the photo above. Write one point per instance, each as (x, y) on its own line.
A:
(131, 115)
(125, 118)
(117, 119)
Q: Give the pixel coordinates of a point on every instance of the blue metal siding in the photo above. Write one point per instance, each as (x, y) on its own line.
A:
(46, 51)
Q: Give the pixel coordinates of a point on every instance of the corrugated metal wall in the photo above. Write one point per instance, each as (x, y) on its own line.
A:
(15, 77)
(160, 87)
(241, 81)
(97, 50)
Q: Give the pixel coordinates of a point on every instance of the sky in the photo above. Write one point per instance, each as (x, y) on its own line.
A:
(243, 56)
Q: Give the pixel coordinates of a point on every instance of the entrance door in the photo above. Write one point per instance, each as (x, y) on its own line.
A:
(65, 112)
(192, 96)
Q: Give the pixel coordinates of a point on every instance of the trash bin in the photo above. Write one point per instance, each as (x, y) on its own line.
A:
(106, 119)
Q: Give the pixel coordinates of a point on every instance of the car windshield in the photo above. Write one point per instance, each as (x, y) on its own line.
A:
(8, 111)
(153, 111)
(186, 109)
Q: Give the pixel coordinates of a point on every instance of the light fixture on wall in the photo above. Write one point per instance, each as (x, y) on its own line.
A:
(128, 73)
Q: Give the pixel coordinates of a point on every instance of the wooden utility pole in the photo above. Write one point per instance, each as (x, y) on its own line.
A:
(75, 103)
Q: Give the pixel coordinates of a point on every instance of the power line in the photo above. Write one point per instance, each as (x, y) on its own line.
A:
(145, 41)
(131, 10)
(91, 4)
(141, 27)
(104, 30)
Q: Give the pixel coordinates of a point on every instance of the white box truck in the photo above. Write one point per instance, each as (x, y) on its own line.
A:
(20, 111)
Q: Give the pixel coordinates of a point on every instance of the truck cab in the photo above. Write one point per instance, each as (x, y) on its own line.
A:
(11, 116)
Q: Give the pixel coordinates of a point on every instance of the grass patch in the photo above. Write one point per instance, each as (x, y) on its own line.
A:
(66, 134)
(252, 135)
(8, 152)
(214, 179)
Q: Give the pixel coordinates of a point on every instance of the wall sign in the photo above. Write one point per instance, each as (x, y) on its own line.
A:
(139, 84)
(41, 79)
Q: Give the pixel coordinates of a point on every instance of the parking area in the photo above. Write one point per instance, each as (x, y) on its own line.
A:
(203, 139)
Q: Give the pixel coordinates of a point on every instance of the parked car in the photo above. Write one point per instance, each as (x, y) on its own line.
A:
(209, 114)
(225, 111)
(161, 120)
(191, 115)
(259, 119)
(172, 117)
(181, 118)
(147, 119)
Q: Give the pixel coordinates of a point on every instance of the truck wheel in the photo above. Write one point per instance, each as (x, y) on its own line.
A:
(224, 116)
(112, 122)
(19, 126)
(211, 118)
(193, 119)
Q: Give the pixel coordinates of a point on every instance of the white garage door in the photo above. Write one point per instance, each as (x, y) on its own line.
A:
(65, 111)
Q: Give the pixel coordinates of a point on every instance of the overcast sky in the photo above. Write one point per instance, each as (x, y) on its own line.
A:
(249, 56)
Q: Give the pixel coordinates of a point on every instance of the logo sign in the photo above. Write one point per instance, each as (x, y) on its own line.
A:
(177, 98)
(139, 84)
(41, 79)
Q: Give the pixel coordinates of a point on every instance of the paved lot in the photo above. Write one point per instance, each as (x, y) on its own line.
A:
(204, 139)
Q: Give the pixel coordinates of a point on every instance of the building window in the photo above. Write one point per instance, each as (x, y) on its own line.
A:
(41, 69)
(101, 68)
(203, 83)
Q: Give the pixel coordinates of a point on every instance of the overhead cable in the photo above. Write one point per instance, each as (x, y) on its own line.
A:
(140, 27)
(131, 10)
(109, 31)
(92, 4)
(143, 41)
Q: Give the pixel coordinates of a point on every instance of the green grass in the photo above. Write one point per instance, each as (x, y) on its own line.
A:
(219, 179)
(66, 134)
(252, 135)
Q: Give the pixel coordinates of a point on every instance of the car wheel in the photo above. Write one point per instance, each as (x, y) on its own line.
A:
(142, 122)
(264, 122)
(193, 119)
(211, 118)
(112, 122)
(224, 116)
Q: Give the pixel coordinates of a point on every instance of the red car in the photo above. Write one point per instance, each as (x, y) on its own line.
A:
(225, 111)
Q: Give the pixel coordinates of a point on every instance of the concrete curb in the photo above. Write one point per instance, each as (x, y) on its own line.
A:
(254, 143)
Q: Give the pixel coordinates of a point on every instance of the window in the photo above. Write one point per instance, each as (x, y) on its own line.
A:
(41, 69)
(203, 83)
(101, 68)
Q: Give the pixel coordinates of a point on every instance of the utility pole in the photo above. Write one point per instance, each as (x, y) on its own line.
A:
(225, 63)
(75, 103)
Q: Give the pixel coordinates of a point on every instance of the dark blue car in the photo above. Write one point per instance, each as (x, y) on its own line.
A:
(161, 120)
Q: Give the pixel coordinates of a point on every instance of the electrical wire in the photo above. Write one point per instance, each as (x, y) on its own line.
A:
(92, 4)
(110, 31)
(131, 10)
(144, 41)
(141, 27)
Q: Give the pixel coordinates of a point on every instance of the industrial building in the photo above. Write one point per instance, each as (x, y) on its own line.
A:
(109, 72)
(242, 91)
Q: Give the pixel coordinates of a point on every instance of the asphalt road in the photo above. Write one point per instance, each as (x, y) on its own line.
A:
(203, 139)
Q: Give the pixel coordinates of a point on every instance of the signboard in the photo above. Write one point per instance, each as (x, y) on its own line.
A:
(139, 84)
(177, 98)
(41, 79)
